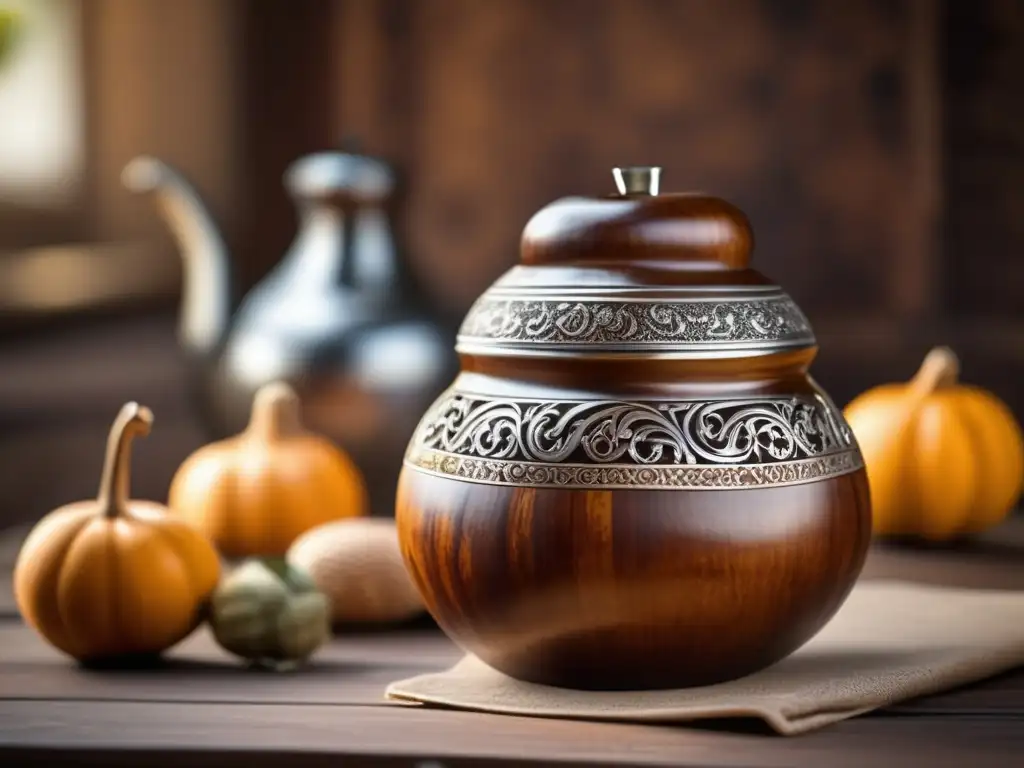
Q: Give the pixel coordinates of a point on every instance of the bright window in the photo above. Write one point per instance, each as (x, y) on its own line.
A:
(41, 123)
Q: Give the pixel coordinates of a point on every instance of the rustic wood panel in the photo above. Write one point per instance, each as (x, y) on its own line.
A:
(797, 111)
(162, 83)
(286, 87)
(983, 80)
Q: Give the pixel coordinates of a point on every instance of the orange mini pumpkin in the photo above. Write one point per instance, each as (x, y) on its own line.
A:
(113, 577)
(253, 494)
(944, 459)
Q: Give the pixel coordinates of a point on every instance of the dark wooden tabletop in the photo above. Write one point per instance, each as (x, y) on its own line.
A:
(203, 709)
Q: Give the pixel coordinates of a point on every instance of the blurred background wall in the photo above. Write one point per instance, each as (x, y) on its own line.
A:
(877, 146)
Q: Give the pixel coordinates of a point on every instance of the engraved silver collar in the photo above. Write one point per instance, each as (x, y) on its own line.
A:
(517, 317)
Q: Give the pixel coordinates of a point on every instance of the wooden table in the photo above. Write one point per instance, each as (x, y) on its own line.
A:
(202, 709)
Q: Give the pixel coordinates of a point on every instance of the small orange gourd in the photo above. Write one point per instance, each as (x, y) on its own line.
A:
(253, 494)
(944, 459)
(112, 578)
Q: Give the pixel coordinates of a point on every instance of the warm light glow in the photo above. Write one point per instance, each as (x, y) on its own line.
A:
(52, 279)
(40, 105)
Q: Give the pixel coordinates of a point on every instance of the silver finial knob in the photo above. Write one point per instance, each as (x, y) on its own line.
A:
(637, 180)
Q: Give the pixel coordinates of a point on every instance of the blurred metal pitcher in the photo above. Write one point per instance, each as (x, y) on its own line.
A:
(337, 317)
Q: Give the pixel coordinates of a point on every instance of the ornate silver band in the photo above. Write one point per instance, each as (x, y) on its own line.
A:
(692, 444)
(576, 476)
(690, 323)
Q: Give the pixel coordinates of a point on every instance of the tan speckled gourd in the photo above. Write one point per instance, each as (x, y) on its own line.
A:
(358, 565)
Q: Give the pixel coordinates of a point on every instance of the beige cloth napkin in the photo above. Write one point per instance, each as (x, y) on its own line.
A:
(891, 641)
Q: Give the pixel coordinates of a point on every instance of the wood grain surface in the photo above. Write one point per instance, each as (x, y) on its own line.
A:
(632, 589)
(300, 736)
(202, 709)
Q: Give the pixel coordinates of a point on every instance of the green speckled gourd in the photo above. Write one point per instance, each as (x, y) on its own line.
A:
(269, 613)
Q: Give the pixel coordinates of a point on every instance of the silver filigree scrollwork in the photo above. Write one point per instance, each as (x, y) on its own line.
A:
(571, 323)
(716, 443)
(499, 472)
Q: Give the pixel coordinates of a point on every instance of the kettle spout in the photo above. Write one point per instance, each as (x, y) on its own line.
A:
(206, 304)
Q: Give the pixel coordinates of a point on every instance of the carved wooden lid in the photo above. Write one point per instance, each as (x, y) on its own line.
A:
(690, 232)
(635, 273)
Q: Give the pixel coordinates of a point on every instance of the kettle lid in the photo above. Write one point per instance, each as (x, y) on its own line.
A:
(341, 175)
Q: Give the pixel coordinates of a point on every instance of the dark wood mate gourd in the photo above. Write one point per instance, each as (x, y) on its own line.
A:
(634, 482)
